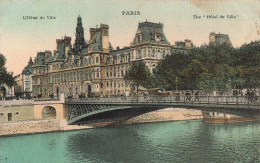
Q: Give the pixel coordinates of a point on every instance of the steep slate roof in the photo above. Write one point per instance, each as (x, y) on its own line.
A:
(40, 59)
(28, 69)
(148, 30)
(96, 41)
(61, 49)
(110, 47)
(85, 50)
(51, 58)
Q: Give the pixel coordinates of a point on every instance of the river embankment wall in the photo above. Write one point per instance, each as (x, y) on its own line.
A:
(28, 127)
(37, 126)
(16, 113)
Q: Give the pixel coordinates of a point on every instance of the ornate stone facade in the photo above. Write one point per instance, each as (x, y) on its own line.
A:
(94, 67)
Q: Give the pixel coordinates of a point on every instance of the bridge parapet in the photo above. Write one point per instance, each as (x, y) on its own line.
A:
(227, 100)
(60, 100)
(16, 102)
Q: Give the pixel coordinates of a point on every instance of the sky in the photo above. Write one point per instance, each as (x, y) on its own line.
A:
(22, 38)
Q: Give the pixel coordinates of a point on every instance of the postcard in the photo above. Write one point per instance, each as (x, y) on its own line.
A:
(129, 81)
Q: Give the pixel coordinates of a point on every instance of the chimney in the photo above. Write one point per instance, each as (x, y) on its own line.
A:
(67, 41)
(105, 37)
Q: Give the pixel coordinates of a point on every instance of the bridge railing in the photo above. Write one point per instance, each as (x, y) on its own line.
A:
(252, 100)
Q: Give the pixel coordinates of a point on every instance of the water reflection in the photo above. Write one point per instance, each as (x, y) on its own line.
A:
(167, 142)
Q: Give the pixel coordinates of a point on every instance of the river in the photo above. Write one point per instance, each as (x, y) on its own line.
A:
(180, 141)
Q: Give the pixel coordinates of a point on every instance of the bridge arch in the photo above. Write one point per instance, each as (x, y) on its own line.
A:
(49, 112)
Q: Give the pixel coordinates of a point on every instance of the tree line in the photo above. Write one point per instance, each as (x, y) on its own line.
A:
(208, 68)
(5, 76)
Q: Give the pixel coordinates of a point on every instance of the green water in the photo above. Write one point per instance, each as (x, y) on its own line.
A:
(183, 141)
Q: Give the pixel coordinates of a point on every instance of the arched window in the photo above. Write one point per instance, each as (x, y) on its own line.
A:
(163, 54)
(97, 59)
(139, 54)
(153, 53)
(153, 68)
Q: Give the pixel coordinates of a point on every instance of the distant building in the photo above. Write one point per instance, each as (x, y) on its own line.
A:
(24, 82)
(182, 47)
(219, 39)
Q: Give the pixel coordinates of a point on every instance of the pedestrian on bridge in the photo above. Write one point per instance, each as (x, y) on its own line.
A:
(188, 96)
(177, 96)
(197, 96)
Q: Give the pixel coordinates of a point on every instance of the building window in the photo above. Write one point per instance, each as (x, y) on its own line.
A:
(97, 59)
(139, 39)
(153, 68)
(153, 53)
(158, 37)
(139, 54)
(163, 54)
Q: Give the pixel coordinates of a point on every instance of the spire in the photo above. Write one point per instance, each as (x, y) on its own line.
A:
(80, 40)
(30, 61)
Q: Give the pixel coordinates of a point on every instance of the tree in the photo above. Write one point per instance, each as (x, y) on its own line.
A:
(192, 73)
(248, 60)
(5, 77)
(139, 75)
(170, 69)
